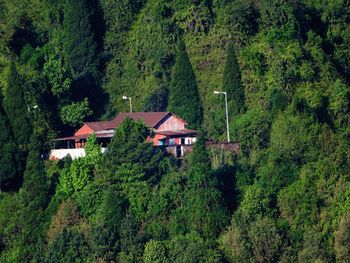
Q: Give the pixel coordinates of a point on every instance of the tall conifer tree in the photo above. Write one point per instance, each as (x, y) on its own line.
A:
(199, 157)
(79, 44)
(184, 97)
(8, 156)
(205, 211)
(34, 183)
(232, 82)
(34, 198)
(16, 108)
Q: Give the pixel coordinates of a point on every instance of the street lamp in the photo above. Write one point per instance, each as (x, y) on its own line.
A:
(128, 98)
(33, 107)
(228, 128)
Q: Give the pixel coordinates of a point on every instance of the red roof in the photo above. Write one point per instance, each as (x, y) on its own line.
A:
(99, 125)
(151, 119)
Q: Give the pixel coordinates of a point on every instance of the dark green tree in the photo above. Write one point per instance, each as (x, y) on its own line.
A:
(34, 196)
(8, 154)
(192, 248)
(129, 146)
(204, 209)
(34, 189)
(79, 44)
(157, 100)
(278, 101)
(106, 233)
(119, 16)
(16, 108)
(199, 157)
(232, 82)
(184, 97)
(278, 14)
(69, 246)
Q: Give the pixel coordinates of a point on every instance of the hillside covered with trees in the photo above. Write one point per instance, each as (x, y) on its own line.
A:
(285, 65)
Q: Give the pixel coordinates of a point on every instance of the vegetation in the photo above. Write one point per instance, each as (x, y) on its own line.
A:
(184, 98)
(231, 82)
(286, 68)
(9, 157)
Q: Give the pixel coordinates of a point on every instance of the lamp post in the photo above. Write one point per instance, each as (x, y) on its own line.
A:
(227, 126)
(128, 98)
(33, 107)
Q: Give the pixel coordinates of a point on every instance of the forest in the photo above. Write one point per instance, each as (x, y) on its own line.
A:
(285, 65)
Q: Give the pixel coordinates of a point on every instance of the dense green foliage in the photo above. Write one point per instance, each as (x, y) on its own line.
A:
(79, 46)
(231, 82)
(286, 68)
(16, 108)
(184, 98)
(9, 157)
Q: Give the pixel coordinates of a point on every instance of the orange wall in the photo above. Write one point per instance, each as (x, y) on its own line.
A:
(83, 130)
(156, 138)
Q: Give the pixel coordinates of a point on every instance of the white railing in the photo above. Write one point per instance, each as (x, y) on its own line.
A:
(74, 153)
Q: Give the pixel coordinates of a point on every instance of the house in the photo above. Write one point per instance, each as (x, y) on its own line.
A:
(169, 130)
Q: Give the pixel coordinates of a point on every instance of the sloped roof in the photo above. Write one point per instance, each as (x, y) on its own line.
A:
(99, 125)
(151, 119)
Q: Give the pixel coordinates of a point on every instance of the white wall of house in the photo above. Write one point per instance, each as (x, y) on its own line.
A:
(190, 140)
(58, 154)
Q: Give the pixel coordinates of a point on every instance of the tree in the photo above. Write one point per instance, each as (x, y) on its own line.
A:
(199, 157)
(315, 249)
(265, 239)
(68, 246)
(8, 154)
(75, 113)
(16, 107)
(157, 100)
(79, 45)
(234, 244)
(35, 188)
(34, 196)
(67, 216)
(155, 251)
(184, 98)
(74, 179)
(192, 248)
(342, 240)
(204, 210)
(129, 146)
(277, 14)
(232, 82)
(119, 17)
(278, 101)
(109, 217)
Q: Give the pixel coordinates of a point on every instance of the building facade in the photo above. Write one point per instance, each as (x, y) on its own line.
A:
(169, 132)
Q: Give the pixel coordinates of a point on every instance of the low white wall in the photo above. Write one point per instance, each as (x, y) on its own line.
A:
(75, 153)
